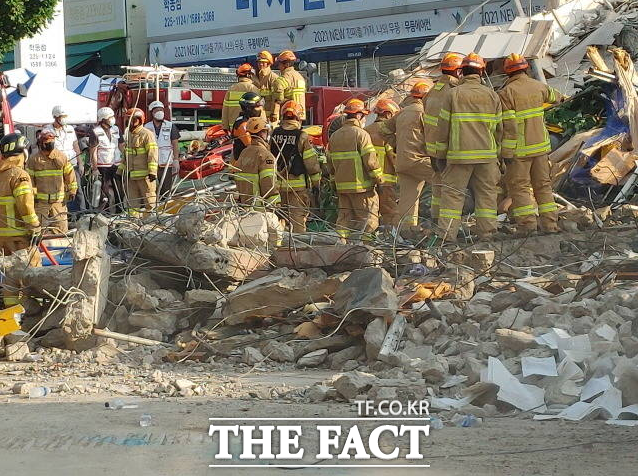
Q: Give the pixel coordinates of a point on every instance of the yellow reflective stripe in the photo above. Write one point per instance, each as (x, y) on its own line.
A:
(266, 173)
(445, 114)
(547, 207)
(524, 211)
(298, 90)
(30, 219)
(430, 120)
(436, 200)
(73, 187)
(273, 199)
(509, 114)
(7, 200)
(152, 167)
(22, 190)
(450, 213)
(150, 146)
(315, 177)
(485, 213)
(368, 149)
(309, 154)
(48, 173)
(265, 93)
(11, 300)
(552, 95)
(139, 173)
(50, 196)
(471, 154)
(140, 150)
(389, 178)
(438, 86)
(13, 232)
(475, 117)
(30, 171)
(68, 168)
(344, 155)
(509, 143)
(375, 173)
(352, 186)
(343, 233)
(529, 113)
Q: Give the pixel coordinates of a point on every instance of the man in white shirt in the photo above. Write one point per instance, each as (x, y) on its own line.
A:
(66, 141)
(105, 146)
(167, 136)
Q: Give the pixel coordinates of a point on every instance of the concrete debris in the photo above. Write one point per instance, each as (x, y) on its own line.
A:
(278, 351)
(366, 294)
(351, 384)
(313, 359)
(334, 259)
(374, 337)
(16, 352)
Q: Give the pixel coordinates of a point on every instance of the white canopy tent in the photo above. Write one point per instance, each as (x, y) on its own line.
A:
(42, 96)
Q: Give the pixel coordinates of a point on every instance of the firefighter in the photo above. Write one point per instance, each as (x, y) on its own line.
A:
(468, 139)
(139, 163)
(18, 220)
(525, 147)
(265, 81)
(66, 141)
(298, 166)
(105, 144)
(405, 132)
(252, 105)
(256, 181)
(290, 86)
(352, 161)
(385, 110)
(244, 84)
(167, 137)
(53, 179)
(451, 69)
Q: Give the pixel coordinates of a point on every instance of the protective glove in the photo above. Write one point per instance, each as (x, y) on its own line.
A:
(152, 177)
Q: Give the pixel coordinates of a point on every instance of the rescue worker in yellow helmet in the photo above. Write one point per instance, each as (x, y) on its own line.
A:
(385, 109)
(451, 69)
(526, 146)
(352, 161)
(406, 133)
(18, 220)
(256, 178)
(265, 81)
(231, 110)
(53, 178)
(298, 166)
(468, 140)
(290, 86)
(139, 164)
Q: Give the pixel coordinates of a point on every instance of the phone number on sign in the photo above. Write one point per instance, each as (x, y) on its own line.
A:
(191, 19)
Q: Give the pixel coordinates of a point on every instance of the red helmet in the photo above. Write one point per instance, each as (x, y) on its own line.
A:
(473, 60)
(419, 90)
(451, 62)
(354, 106)
(515, 62)
(286, 55)
(45, 137)
(245, 70)
(386, 105)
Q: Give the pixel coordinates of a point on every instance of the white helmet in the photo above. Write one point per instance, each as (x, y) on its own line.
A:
(104, 113)
(59, 111)
(155, 104)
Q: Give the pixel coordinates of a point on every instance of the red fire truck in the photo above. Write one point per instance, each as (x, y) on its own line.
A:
(5, 111)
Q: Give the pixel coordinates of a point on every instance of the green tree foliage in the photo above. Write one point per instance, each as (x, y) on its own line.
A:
(22, 19)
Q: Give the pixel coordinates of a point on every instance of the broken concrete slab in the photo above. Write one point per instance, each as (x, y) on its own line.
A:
(201, 297)
(313, 359)
(252, 356)
(164, 321)
(505, 299)
(367, 294)
(276, 293)
(46, 278)
(351, 384)
(335, 258)
(317, 393)
(16, 352)
(279, 351)
(333, 343)
(337, 359)
(515, 340)
(514, 318)
(374, 336)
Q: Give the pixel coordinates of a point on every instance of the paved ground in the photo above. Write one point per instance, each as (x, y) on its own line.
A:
(77, 435)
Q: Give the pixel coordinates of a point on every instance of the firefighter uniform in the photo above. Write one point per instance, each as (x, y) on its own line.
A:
(256, 181)
(18, 220)
(241, 137)
(405, 131)
(431, 110)
(297, 168)
(291, 85)
(468, 137)
(525, 148)
(387, 161)
(265, 81)
(231, 109)
(53, 179)
(352, 161)
(139, 161)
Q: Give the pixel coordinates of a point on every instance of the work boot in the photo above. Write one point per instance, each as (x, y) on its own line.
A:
(525, 232)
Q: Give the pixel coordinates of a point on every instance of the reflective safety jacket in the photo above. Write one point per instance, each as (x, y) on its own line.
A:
(385, 153)
(231, 109)
(108, 152)
(256, 181)
(406, 133)
(265, 81)
(470, 123)
(352, 159)
(290, 85)
(241, 137)
(52, 177)
(432, 108)
(140, 154)
(524, 131)
(295, 155)
(17, 210)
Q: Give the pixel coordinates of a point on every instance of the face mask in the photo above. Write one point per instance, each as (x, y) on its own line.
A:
(48, 146)
(159, 115)
(111, 121)
(62, 121)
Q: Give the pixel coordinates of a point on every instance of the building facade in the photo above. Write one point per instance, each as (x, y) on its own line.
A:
(353, 42)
